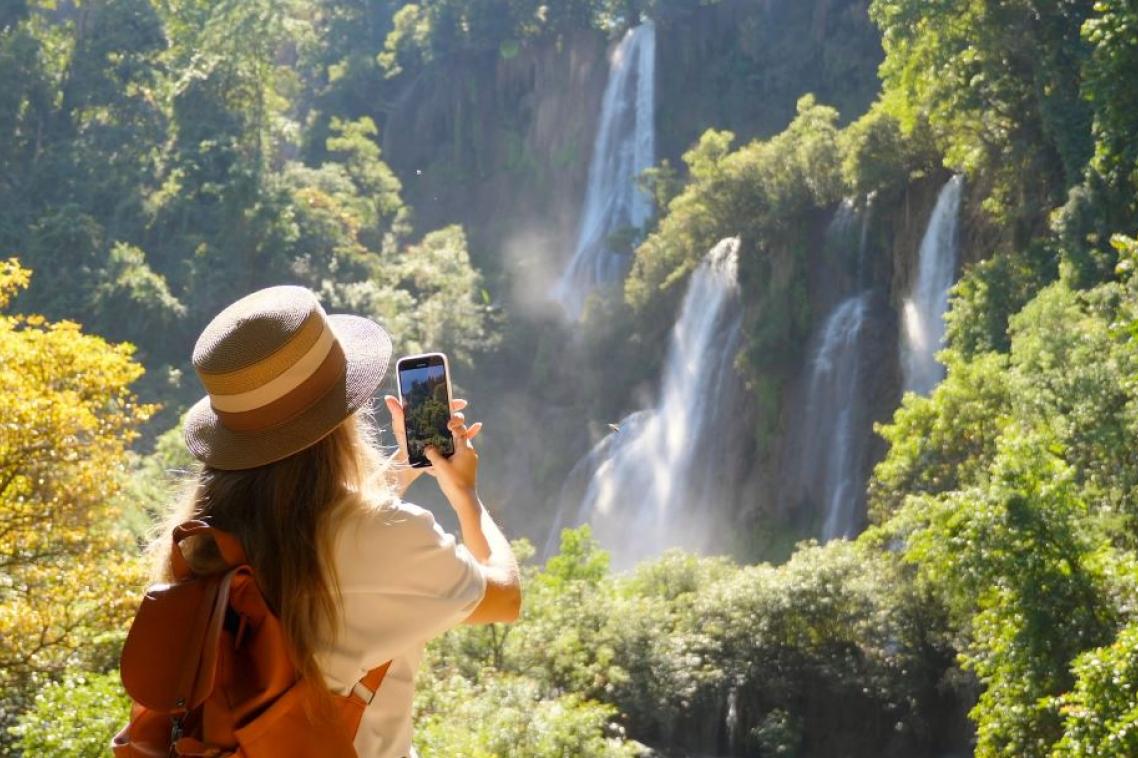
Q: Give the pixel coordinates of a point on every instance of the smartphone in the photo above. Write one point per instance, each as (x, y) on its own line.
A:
(424, 392)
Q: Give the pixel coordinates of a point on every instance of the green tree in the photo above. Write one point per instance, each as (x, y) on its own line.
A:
(1011, 558)
(378, 205)
(1112, 32)
(998, 83)
(1100, 714)
(448, 307)
(945, 442)
(213, 210)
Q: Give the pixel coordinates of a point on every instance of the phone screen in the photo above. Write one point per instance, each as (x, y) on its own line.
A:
(426, 406)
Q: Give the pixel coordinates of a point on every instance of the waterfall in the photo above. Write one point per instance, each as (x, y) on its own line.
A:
(835, 423)
(926, 305)
(843, 222)
(624, 147)
(864, 271)
(827, 456)
(656, 481)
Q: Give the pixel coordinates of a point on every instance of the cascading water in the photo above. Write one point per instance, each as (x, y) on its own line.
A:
(835, 421)
(656, 482)
(624, 147)
(865, 271)
(925, 307)
(827, 475)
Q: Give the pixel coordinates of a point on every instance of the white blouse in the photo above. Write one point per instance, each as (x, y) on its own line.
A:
(403, 581)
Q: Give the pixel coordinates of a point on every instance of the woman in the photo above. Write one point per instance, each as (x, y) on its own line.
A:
(357, 576)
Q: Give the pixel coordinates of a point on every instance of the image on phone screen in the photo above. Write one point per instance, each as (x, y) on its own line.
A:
(426, 407)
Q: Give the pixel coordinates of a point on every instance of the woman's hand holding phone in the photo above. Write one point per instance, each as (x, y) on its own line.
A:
(458, 474)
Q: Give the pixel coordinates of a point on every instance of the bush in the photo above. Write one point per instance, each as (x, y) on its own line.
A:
(694, 653)
(74, 717)
(1101, 713)
(508, 716)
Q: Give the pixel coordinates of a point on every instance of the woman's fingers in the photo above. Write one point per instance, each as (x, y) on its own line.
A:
(393, 405)
(457, 404)
(461, 431)
(457, 425)
(437, 459)
(395, 408)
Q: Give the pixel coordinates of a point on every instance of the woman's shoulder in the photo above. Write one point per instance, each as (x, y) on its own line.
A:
(395, 547)
(369, 519)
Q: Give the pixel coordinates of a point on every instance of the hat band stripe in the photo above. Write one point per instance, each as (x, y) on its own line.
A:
(281, 385)
(255, 375)
(302, 397)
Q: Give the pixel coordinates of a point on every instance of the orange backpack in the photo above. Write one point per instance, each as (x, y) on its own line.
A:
(207, 666)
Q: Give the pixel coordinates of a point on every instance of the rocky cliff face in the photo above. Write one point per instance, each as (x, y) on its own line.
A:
(742, 65)
(501, 144)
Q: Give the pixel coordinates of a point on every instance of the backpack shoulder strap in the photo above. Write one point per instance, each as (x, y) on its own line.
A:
(227, 544)
(360, 697)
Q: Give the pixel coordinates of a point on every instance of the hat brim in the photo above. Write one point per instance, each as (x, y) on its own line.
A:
(367, 350)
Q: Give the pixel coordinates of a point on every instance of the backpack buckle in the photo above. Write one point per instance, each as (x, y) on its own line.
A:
(175, 730)
(360, 690)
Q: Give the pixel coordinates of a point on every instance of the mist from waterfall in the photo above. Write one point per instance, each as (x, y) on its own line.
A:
(657, 481)
(624, 147)
(927, 303)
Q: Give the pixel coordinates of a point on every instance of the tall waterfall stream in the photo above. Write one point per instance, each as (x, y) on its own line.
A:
(623, 149)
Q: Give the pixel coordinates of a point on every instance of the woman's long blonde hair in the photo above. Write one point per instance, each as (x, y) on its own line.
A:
(285, 514)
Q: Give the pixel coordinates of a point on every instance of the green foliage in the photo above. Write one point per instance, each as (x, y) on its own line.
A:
(507, 716)
(1011, 556)
(1067, 372)
(1081, 228)
(997, 83)
(989, 293)
(757, 192)
(132, 300)
(377, 203)
(1071, 375)
(1010, 490)
(683, 640)
(446, 309)
(1100, 713)
(877, 156)
(945, 442)
(408, 43)
(74, 717)
(162, 182)
(662, 183)
(1112, 33)
(579, 560)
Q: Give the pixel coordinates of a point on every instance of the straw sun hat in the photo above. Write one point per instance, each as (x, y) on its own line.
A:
(281, 375)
